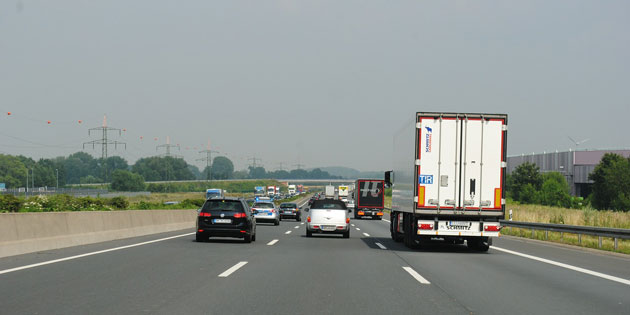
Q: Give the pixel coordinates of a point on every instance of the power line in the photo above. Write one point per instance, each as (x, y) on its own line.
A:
(168, 147)
(254, 159)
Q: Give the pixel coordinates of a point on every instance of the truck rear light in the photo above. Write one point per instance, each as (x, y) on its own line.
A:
(240, 215)
(425, 226)
(492, 228)
(308, 219)
(361, 213)
(347, 220)
(205, 214)
(380, 213)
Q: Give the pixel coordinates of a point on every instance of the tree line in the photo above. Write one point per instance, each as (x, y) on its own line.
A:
(82, 168)
(610, 188)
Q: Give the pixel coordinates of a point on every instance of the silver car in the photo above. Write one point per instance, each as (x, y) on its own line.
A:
(266, 211)
(328, 216)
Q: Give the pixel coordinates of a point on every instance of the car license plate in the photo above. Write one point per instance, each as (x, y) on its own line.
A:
(222, 220)
(287, 212)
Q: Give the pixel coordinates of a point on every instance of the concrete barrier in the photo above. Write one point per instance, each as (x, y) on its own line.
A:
(22, 233)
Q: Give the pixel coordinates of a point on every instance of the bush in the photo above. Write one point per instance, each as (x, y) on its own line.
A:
(127, 181)
(119, 203)
(192, 203)
(10, 203)
(611, 183)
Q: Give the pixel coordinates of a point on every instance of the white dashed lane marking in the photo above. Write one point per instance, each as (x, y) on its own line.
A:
(381, 246)
(234, 268)
(416, 275)
(272, 242)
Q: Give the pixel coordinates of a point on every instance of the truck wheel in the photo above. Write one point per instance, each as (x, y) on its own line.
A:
(397, 237)
(309, 233)
(346, 234)
(410, 238)
(480, 244)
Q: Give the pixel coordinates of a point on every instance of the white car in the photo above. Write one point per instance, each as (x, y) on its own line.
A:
(328, 216)
(266, 211)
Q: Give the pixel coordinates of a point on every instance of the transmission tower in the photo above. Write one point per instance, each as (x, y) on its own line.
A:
(299, 165)
(280, 166)
(104, 142)
(208, 160)
(168, 147)
(254, 159)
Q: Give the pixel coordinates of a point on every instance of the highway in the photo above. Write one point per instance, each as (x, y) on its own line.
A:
(284, 272)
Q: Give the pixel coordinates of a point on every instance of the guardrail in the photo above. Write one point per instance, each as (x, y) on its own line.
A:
(600, 232)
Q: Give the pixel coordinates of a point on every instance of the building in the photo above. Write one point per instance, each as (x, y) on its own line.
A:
(574, 165)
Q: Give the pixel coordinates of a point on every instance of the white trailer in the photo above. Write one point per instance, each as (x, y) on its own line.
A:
(330, 191)
(449, 179)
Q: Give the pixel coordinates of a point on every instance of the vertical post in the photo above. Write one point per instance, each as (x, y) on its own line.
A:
(510, 214)
(599, 241)
(562, 236)
(26, 189)
(57, 187)
(580, 239)
(532, 233)
(616, 245)
(546, 234)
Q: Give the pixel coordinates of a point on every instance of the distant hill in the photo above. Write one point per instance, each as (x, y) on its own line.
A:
(350, 173)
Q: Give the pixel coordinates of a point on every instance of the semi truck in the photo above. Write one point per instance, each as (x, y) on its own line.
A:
(271, 191)
(215, 192)
(330, 191)
(369, 198)
(292, 189)
(259, 191)
(343, 191)
(448, 180)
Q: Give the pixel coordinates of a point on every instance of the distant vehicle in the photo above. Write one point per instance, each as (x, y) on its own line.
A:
(330, 191)
(277, 193)
(343, 191)
(328, 216)
(215, 193)
(350, 204)
(271, 191)
(300, 189)
(259, 191)
(266, 211)
(290, 210)
(370, 198)
(225, 217)
(292, 189)
(449, 179)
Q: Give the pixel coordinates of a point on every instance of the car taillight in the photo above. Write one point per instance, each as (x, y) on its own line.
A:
(347, 220)
(239, 215)
(491, 228)
(273, 210)
(308, 219)
(200, 231)
(205, 214)
(426, 226)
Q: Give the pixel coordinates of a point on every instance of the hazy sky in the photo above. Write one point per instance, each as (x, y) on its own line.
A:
(323, 82)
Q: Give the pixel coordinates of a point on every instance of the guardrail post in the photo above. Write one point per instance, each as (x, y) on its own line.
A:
(546, 234)
(616, 247)
(580, 239)
(532, 233)
(562, 236)
(600, 241)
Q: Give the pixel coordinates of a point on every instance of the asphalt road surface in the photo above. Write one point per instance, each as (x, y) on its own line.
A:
(284, 272)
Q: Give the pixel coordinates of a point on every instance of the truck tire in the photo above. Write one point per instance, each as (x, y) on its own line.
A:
(346, 234)
(480, 244)
(396, 237)
(410, 238)
(309, 233)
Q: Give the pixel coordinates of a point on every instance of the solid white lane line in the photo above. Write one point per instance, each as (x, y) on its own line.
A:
(352, 224)
(367, 235)
(234, 268)
(387, 221)
(381, 246)
(272, 242)
(297, 227)
(90, 254)
(416, 275)
(287, 232)
(358, 229)
(559, 264)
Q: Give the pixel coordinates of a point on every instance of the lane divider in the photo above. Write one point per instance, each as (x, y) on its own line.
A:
(358, 229)
(233, 269)
(272, 242)
(416, 275)
(381, 246)
(297, 227)
(366, 235)
(387, 221)
(91, 254)
(287, 232)
(352, 224)
(559, 264)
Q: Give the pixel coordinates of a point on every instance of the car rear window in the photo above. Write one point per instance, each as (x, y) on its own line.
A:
(222, 205)
(288, 205)
(329, 204)
(263, 205)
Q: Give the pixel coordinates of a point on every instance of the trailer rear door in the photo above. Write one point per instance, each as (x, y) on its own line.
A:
(461, 162)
